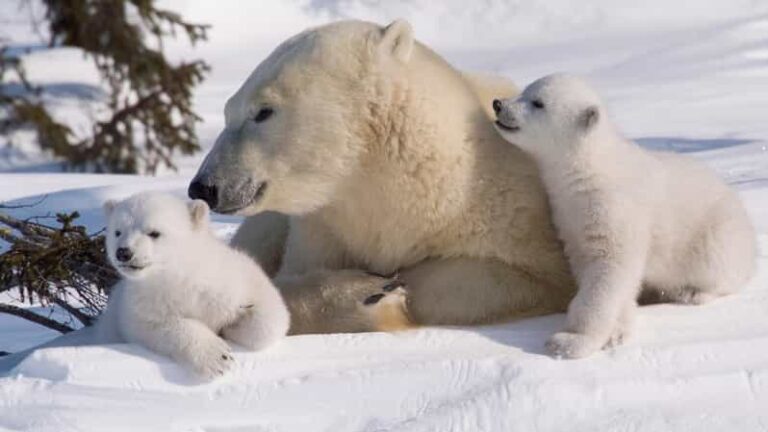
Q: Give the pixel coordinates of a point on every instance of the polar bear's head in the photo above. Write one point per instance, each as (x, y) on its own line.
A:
(551, 117)
(293, 131)
(149, 231)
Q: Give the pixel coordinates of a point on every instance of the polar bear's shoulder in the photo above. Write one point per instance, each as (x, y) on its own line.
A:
(488, 87)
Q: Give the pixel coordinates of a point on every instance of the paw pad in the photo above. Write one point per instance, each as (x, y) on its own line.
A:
(395, 288)
(371, 300)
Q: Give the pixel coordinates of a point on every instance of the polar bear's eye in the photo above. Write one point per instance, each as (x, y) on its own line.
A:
(263, 114)
(537, 103)
(117, 233)
(154, 234)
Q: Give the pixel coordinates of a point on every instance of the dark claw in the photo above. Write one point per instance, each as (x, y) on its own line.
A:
(392, 275)
(393, 286)
(247, 306)
(373, 299)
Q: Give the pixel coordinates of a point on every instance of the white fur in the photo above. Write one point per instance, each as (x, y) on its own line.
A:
(192, 291)
(384, 158)
(630, 219)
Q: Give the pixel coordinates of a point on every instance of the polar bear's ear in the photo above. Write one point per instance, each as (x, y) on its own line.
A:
(397, 39)
(109, 207)
(589, 117)
(198, 211)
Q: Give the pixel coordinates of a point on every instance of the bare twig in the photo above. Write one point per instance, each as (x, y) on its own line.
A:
(35, 318)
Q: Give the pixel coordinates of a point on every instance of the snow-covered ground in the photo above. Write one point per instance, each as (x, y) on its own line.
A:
(690, 76)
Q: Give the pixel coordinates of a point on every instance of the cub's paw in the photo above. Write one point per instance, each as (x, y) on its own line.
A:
(624, 329)
(388, 309)
(212, 360)
(694, 296)
(572, 345)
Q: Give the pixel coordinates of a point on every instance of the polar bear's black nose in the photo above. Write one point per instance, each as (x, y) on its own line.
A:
(205, 192)
(123, 254)
(496, 106)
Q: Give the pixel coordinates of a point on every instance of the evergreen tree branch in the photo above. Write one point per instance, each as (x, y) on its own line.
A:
(35, 318)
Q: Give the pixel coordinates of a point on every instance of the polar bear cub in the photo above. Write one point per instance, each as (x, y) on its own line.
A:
(183, 291)
(630, 219)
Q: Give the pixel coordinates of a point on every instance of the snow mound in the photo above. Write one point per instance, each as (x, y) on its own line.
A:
(688, 368)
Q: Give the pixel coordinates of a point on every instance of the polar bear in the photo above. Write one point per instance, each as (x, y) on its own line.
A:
(629, 218)
(182, 287)
(353, 148)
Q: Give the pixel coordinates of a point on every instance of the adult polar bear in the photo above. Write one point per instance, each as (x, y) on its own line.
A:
(384, 159)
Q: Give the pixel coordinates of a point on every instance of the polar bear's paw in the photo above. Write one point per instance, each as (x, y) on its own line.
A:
(573, 345)
(388, 309)
(212, 359)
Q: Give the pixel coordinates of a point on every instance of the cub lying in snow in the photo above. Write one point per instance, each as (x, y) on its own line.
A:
(182, 288)
(630, 219)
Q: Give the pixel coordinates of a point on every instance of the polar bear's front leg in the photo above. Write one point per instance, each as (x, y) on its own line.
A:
(263, 237)
(185, 340)
(343, 301)
(465, 291)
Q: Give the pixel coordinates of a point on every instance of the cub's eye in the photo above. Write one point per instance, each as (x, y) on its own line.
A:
(154, 234)
(263, 114)
(537, 103)
(117, 233)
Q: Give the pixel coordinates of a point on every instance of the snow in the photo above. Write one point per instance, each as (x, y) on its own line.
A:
(688, 76)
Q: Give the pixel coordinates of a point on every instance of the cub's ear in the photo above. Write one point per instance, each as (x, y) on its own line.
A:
(198, 211)
(589, 117)
(109, 207)
(397, 40)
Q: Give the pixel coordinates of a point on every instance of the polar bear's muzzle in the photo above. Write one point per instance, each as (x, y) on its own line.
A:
(227, 199)
(249, 195)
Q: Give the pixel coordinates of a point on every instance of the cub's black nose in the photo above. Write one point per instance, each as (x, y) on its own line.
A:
(496, 106)
(123, 254)
(205, 192)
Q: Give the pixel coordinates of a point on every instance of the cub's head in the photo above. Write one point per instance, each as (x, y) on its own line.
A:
(551, 116)
(148, 231)
(292, 135)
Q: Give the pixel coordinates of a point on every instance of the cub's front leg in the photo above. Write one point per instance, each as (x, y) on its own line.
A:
(260, 324)
(185, 340)
(609, 279)
(607, 255)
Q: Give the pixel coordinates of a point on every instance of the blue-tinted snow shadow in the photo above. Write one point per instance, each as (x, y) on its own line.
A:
(28, 165)
(689, 145)
(70, 90)
(42, 368)
(16, 50)
(527, 335)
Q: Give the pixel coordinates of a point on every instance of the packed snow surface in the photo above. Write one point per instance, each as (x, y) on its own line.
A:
(688, 76)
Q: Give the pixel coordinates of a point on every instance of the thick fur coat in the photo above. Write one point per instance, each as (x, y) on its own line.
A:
(631, 219)
(184, 293)
(355, 148)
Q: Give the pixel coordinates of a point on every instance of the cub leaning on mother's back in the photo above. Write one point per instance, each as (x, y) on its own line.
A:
(182, 287)
(631, 219)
